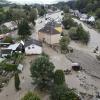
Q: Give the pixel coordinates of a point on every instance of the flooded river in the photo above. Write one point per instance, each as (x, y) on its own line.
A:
(94, 35)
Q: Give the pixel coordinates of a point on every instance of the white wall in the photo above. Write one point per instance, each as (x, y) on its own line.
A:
(36, 50)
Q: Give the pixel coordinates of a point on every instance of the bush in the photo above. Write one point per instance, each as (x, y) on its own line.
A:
(79, 34)
(64, 43)
(98, 24)
(9, 67)
(83, 36)
(59, 77)
(98, 12)
(8, 40)
(30, 96)
(61, 92)
(72, 33)
(17, 81)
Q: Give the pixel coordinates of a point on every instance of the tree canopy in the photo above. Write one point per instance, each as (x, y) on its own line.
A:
(59, 77)
(62, 92)
(42, 71)
(24, 29)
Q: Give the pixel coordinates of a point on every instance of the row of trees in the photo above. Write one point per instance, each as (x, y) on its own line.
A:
(44, 76)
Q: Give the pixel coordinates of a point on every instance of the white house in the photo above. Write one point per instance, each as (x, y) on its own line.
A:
(91, 19)
(33, 47)
(84, 17)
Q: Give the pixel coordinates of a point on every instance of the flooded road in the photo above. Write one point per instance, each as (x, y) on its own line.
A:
(94, 35)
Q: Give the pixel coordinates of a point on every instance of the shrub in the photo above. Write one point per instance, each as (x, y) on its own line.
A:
(98, 12)
(8, 40)
(62, 92)
(59, 77)
(79, 34)
(72, 33)
(30, 96)
(9, 67)
(83, 36)
(64, 43)
(17, 81)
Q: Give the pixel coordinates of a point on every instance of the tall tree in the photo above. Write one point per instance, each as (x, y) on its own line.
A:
(24, 29)
(59, 77)
(33, 16)
(17, 81)
(64, 44)
(42, 72)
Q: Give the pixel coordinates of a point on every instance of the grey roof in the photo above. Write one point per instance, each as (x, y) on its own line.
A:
(53, 24)
(6, 51)
(49, 30)
(32, 41)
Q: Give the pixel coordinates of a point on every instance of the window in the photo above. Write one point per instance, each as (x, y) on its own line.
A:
(28, 47)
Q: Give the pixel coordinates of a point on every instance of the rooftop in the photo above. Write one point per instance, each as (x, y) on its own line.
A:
(32, 41)
(53, 24)
(49, 30)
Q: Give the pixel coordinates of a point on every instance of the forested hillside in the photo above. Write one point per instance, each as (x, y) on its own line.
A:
(88, 5)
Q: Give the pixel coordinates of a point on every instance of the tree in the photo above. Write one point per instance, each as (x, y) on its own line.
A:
(59, 77)
(82, 35)
(68, 22)
(8, 39)
(33, 16)
(62, 92)
(42, 72)
(42, 11)
(17, 81)
(98, 12)
(66, 9)
(73, 34)
(64, 43)
(24, 29)
(30, 96)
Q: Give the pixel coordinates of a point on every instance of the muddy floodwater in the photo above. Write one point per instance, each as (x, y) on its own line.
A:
(94, 35)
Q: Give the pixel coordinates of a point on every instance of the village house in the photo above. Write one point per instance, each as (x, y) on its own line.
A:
(33, 47)
(17, 47)
(10, 25)
(50, 33)
(84, 17)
